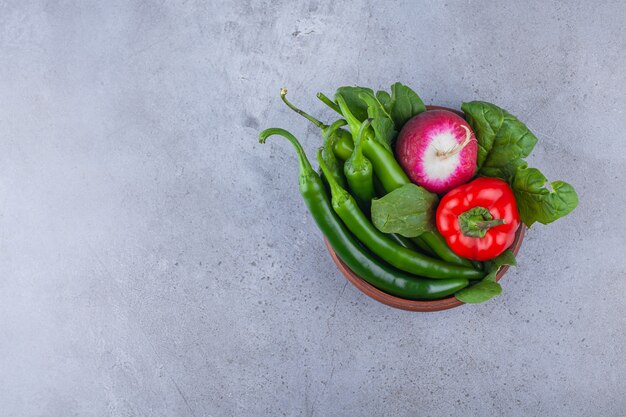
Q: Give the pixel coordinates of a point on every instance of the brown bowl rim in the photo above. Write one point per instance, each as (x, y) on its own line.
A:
(415, 305)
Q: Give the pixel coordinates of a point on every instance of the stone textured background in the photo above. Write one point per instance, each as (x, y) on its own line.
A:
(155, 260)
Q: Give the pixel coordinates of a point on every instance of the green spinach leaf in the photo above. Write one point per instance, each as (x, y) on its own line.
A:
(384, 99)
(403, 104)
(487, 288)
(479, 292)
(536, 202)
(408, 211)
(400, 106)
(356, 105)
(505, 258)
(503, 142)
(502, 139)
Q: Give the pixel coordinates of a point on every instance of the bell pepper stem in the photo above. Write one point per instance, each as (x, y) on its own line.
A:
(476, 221)
(486, 225)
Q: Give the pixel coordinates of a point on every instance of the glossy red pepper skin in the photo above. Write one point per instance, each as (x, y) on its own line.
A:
(497, 198)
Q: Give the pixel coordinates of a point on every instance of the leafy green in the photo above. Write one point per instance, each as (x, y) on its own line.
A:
(503, 142)
(505, 258)
(352, 96)
(389, 112)
(384, 128)
(502, 138)
(408, 211)
(384, 131)
(487, 288)
(384, 98)
(536, 202)
(403, 104)
(479, 292)
(400, 106)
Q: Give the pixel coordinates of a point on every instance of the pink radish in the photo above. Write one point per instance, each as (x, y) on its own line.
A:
(437, 150)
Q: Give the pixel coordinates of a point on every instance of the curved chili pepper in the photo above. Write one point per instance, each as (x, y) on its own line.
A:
(402, 258)
(479, 219)
(340, 136)
(334, 165)
(349, 250)
(358, 171)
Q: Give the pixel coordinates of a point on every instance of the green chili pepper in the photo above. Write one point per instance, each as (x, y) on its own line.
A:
(424, 248)
(381, 245)
(335, 166)
(340, 136)
(343, 146)
(378, 187)
(358, 171)
(362, 263)
(387, 169)
(392, 176)
(438, 244)
(402, 241)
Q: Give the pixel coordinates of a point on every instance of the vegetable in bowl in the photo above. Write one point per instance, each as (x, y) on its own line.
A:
(479, 219)
(437, 149)
(389, 226)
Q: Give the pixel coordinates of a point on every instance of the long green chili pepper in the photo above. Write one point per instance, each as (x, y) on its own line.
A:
(358, 171)
(424, 248)
(403, 241)
(377, 273)
(387, 169)
(381, 245)
(335, 167)
(344, 144)
(342, 136)
(392, 177)
(378, 186)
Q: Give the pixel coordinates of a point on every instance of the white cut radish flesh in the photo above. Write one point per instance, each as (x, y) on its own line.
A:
(437, 150)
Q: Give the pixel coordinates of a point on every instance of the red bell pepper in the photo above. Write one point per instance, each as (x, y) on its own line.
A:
(479, 219)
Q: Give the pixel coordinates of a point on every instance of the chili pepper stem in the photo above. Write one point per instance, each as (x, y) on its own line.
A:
(303, 162)
(329, 102)
(338, 194)
(333, 128)
(328, 154)
(357, 154)
(353, 123)
(283, 96)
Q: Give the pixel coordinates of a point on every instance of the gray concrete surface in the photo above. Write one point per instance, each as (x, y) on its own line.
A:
(155, 260)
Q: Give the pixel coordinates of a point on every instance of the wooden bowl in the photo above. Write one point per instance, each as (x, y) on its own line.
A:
(414, 305)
